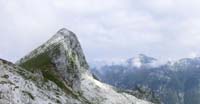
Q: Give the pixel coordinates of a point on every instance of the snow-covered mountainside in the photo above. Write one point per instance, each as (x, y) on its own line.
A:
(142, 61)
(174, 82)
(138, 61)
(57, 73)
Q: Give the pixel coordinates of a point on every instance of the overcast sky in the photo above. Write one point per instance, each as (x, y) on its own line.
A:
(107, 29)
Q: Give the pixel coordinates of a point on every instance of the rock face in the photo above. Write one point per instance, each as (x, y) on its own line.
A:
(19, 86)
(64, 53)
(56, 73)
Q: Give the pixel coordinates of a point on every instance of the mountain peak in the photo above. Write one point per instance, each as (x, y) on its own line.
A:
(63, 29)
(140, 60)
(62, 51)
(64, 32)
(63, 35)
(142, 55)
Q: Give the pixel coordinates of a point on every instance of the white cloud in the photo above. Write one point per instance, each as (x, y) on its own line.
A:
(193, 55)
(106, 28)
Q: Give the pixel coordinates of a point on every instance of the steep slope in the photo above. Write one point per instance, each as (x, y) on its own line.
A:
(18, 86)
(61, 60)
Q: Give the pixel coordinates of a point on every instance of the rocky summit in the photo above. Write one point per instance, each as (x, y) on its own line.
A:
(56, 73)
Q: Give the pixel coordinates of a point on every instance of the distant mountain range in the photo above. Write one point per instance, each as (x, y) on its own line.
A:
(173, 82)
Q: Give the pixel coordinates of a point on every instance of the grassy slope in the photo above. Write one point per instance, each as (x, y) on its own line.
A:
(43, 63)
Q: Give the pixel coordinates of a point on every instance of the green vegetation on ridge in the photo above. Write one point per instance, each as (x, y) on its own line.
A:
(42, 62)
